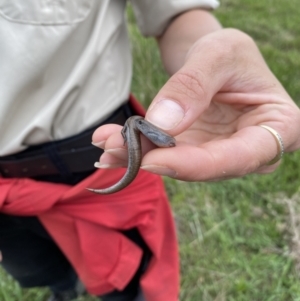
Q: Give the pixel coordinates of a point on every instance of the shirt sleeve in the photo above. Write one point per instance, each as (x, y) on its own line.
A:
(154, 15)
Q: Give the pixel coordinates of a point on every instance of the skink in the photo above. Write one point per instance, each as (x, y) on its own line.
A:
(131, 135)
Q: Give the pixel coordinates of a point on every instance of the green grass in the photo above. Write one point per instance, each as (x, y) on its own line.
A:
(235, 236)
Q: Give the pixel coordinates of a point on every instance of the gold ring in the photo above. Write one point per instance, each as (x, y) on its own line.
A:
(279, 141)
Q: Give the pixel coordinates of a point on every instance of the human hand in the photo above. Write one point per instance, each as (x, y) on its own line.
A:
(213, 106)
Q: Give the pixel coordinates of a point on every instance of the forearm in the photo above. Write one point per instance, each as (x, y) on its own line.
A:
(181, 34)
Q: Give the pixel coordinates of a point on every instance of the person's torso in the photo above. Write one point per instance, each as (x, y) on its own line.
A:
(65, 66)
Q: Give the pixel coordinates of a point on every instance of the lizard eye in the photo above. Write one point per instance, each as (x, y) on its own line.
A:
(140, 122)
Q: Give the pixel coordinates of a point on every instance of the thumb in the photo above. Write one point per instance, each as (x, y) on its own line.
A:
(210, 63)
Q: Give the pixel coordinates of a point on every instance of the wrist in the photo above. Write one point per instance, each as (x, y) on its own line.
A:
(224, 41)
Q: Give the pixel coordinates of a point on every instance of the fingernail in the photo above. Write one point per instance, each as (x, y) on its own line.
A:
(165, 114)
(99, 165)
(100, 144)
(117, 152)
(107, 166)
(160, 170)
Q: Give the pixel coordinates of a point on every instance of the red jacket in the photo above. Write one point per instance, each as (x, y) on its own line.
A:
(85, 225)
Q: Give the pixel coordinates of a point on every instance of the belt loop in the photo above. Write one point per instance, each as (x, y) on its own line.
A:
(54, 157)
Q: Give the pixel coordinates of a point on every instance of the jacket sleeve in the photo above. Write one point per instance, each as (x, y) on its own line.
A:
(153, 16)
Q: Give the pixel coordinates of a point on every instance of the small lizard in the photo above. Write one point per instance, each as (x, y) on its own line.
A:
(131, 134)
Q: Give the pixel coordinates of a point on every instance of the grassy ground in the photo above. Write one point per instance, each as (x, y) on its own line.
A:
(239, 239)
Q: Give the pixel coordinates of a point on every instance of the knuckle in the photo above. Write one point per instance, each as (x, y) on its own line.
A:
(190, 84)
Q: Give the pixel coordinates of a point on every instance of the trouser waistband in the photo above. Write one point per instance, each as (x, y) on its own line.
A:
(67, 156)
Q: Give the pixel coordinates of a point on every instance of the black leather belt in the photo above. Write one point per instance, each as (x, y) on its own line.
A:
(65, 157)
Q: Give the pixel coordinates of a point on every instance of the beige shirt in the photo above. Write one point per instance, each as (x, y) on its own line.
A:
(65, 65)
